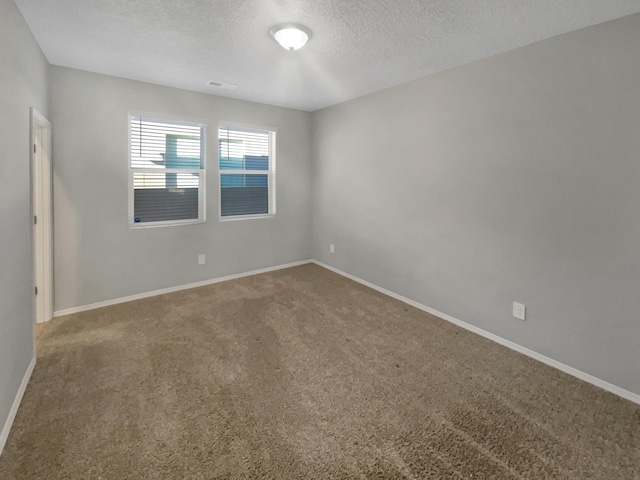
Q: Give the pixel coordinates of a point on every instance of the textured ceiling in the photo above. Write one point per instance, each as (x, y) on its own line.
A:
(358, 46)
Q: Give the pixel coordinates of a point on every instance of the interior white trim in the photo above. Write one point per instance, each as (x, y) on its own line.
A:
(41, 172)
(153, 293)
(4, 434)
(621, 392)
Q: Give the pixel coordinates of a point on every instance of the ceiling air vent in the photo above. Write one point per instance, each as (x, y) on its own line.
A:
(227, 86)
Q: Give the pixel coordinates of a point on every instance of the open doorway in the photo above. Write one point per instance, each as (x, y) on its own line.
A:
(41, 206)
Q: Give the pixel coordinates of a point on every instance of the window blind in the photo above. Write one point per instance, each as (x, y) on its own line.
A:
(166, 170)
(247, 171)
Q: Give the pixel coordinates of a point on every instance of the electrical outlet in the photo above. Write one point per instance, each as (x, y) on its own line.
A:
(202, 259)
(518, 311)
(332, 248)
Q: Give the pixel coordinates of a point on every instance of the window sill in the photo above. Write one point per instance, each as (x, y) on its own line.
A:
(230, 218)
(141, 226)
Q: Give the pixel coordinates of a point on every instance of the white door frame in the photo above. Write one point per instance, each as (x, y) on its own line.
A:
(42, 216)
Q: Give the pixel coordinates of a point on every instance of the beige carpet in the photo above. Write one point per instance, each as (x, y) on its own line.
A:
(303, 374)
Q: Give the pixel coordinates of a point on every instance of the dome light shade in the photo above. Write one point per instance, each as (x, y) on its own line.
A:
(291, 36)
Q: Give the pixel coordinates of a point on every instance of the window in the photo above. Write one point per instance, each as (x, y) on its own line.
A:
(166, 171)
(247, 172)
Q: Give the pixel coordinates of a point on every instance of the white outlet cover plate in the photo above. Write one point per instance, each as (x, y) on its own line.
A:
(519, 311)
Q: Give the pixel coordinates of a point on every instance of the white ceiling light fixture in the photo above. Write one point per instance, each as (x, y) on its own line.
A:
(291, 36)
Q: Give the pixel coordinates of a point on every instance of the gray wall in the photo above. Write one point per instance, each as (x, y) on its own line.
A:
(97, 257)
(23, 78)
(516, 178)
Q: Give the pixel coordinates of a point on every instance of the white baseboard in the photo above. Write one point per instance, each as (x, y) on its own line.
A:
(4, 434)
(621, 392)
(153, 293)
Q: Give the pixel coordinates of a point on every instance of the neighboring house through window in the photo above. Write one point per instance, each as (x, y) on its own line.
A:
(166, 171)
(247, 172)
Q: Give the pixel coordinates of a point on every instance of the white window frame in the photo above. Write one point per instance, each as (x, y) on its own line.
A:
(178, 119)
(271, 172)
